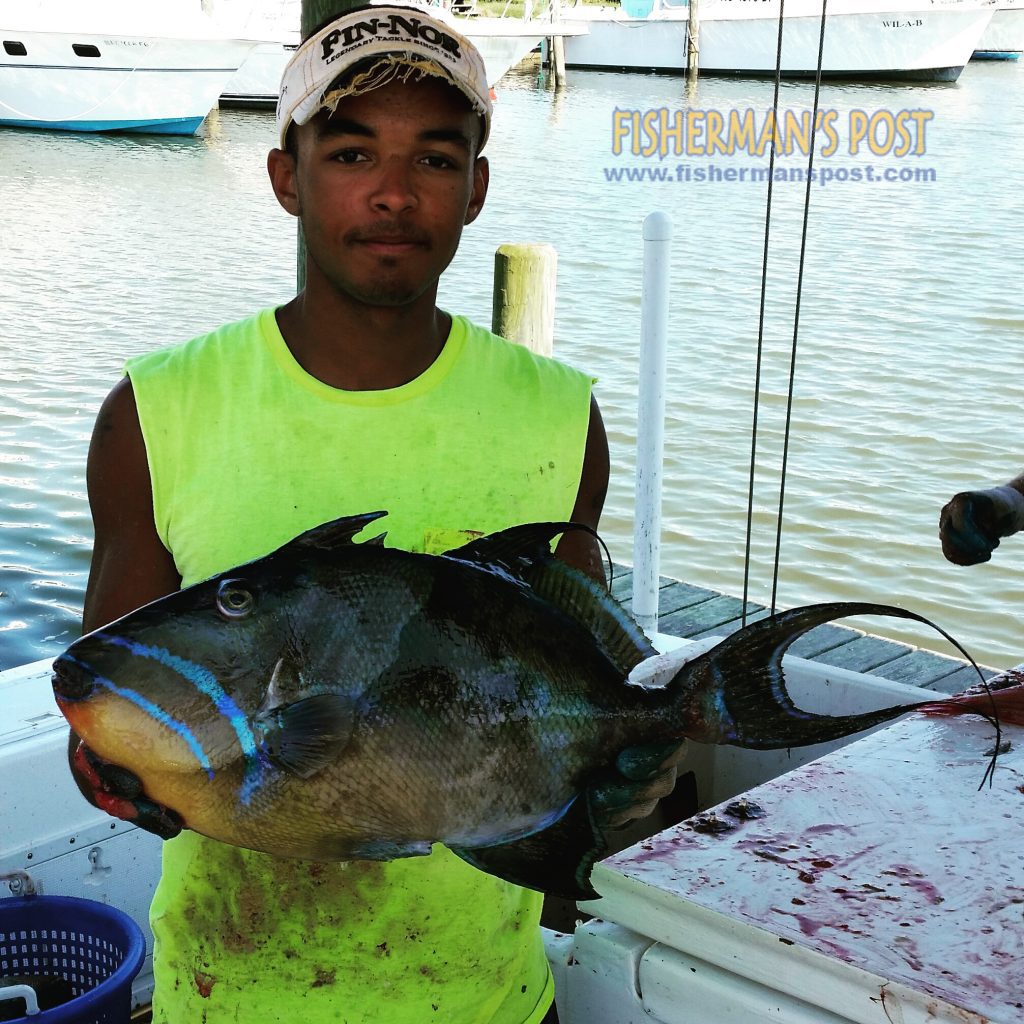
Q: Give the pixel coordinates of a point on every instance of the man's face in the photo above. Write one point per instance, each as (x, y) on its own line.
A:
(384, 186)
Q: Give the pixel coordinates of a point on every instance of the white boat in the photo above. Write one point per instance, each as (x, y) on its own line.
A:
(113, 66)
(910, 39)
(1004, 37)
(503, 43)
(662, 945)
(63, 846)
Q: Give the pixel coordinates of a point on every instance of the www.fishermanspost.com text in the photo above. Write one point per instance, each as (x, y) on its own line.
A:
(712, 173)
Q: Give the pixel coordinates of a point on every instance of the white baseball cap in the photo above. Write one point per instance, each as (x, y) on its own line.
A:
(408, 42)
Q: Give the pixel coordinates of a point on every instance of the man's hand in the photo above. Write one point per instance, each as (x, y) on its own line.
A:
(972, 523)
(119, 793)
(642, 776)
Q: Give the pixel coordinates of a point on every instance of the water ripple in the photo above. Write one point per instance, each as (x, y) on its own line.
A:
(908, 366)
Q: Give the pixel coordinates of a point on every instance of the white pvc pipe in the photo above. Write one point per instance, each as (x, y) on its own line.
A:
(650, 432)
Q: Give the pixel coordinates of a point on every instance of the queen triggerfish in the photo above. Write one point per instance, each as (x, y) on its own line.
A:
(337, 700)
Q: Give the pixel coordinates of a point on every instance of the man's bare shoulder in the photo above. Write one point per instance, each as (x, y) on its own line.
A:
(130, 565)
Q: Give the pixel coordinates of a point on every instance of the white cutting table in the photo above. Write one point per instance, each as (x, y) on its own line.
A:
(879, 887)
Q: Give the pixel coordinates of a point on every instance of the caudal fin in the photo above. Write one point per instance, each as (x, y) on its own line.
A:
(736, 693)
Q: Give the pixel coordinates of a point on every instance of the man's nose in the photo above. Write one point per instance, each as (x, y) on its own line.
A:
(394, 191)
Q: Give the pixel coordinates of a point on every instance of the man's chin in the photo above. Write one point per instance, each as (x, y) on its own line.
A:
(388, 294)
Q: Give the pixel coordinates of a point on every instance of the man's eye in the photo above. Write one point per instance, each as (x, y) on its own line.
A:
(436, 160)
(349, 156)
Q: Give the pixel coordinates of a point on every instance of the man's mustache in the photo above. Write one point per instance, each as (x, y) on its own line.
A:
(391, 232)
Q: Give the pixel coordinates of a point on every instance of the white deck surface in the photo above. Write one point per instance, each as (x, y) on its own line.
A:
(880, 884)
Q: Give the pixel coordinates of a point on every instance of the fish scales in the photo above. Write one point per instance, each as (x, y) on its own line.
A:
(337, 700)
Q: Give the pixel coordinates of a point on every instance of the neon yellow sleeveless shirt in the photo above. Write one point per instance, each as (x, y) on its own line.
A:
(246, 450)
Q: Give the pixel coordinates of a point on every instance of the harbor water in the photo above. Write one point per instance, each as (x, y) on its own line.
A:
(908, 367)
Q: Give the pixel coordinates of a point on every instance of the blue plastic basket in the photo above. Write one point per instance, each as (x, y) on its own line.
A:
(98, 949)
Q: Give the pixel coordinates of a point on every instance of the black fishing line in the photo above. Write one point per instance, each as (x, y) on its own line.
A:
(760, 318)
(796, 311)
(993, 719)
(796, 317)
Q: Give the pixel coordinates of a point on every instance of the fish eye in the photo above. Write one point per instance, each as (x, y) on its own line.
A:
(234, 601)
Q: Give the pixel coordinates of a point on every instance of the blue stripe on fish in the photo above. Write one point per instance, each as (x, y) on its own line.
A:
(156, 712)
(206, 683)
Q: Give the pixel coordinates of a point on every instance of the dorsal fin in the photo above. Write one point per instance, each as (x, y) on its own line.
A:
(337, 533)
(517, 549)
(525, 553)
(585, 600)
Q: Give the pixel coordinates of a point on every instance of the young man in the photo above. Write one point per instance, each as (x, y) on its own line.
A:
(972, 523)
(359, 394)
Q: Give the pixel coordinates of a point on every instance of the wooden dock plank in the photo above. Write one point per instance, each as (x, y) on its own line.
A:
(708, 617)
(864, 654)
(622, 588)
(672, 594)
(962, 678)
(924, 668)
(693, 612)
(678, 596)
(754, 613)
(821, 639)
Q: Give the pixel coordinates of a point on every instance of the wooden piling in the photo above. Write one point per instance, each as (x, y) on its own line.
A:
(693, 40)
(558, 59)
(557, 46)
(524, 295)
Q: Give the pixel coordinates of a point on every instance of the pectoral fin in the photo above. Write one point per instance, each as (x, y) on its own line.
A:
(306, 735)
(557, 860)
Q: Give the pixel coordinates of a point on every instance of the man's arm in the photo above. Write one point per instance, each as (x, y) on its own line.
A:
(130, 566)
(579, 549)
(972, 522)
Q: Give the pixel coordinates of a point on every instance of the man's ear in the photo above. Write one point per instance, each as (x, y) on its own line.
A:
(481, 179)
(281, 168)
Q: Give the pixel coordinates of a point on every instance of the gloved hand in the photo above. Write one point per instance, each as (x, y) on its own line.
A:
(972, 522)
(642, 776)
(119, 792)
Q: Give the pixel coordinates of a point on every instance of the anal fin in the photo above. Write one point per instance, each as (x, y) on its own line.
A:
(557, 860)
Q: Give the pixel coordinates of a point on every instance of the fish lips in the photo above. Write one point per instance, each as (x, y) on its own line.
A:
(72, 680)
(86, 668)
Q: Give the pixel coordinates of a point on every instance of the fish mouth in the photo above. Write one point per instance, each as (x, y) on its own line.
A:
(72, 681)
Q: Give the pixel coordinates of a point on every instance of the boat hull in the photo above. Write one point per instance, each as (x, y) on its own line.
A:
(119, 83)
(932, 43)
(1004, 37)
(502, 45)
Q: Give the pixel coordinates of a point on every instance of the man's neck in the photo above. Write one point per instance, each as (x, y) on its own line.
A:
(354, 347)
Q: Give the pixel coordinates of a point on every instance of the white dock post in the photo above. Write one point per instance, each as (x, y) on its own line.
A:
(650, 431)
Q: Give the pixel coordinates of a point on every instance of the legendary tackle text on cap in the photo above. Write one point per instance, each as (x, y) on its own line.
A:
(407, 43)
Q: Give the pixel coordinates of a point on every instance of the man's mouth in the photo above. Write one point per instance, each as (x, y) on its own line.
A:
(380, 239)
(390, 246)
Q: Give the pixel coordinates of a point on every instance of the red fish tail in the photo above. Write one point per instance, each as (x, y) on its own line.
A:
(1007, 705)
